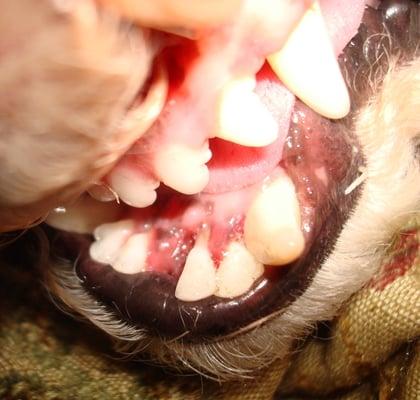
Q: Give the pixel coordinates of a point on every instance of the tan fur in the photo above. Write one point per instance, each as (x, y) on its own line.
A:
(388, 130)
(68, 77)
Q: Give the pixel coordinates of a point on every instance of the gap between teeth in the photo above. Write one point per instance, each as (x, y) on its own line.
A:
(307, 66)
(272, 236)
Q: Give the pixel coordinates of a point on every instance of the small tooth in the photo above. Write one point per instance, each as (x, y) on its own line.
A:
(133, 187)
(109, 238)
(183, 168)
(83, 216)
(243, 118)
(272, 225)
(132, 256)
(308, 67)
(237, 271)
(198, 279)
(102, 192)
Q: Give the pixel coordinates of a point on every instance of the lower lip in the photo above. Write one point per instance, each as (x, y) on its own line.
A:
(147, 299)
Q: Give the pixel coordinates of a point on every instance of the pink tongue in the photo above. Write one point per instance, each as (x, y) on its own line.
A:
(342, 18)
(200, 72)
(233, 166)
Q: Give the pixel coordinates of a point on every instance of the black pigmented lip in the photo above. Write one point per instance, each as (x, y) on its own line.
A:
(147, 299)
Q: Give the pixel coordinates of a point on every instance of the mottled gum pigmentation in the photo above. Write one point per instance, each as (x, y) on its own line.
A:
(313, 144)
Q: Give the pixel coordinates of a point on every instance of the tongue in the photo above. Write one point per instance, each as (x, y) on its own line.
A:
(198, 71)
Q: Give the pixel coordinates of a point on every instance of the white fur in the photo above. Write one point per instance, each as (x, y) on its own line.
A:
(388, 130)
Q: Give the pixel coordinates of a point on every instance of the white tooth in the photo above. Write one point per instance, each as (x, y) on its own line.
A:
(272, 225)
(133, 187)
(84, 215)
(198, 279)
(237, 271)
(132, 256)
(308, 67)
(183, 168)
(243, 118)
(109, 238)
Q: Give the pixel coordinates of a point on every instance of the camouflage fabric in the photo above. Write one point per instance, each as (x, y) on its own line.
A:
(371, 351)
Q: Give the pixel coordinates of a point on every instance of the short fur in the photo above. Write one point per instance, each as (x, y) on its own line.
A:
(388, 133)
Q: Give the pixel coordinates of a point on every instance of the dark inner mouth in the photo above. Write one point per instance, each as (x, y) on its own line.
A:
(320, 156)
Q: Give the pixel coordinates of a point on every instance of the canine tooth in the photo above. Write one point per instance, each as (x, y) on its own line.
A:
(133, 254)
(237, 271)
(198, 279)
(242, 117)
(183, 168)
(308, 67)
(133, 187)
(272, 225)
(83, 216)
(109, 238)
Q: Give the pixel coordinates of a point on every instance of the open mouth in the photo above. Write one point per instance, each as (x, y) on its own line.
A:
(243, 216)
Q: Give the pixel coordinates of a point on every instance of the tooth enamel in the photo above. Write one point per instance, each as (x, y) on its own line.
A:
(132, 256)
(132, 187)
(109, 238)
(83, 216)
(243, 118)
(237, 271)
(198, 279)
(272, 225)
(308, 67)
(183, 168)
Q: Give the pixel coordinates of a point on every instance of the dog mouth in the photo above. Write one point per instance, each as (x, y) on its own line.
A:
(219, 232)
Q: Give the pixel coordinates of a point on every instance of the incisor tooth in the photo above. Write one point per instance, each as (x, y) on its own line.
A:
(132, 256)
(243, 118)
(132, 187)
(308, 67)
(237, 271)
(83, 216)
(198, 279)
(272, 225)
(183, 168)
(109, 238)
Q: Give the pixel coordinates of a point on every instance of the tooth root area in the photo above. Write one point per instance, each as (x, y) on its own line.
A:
(243, 118)
(237, 271)
(133, 187)
(109, 239)
(272, 230)
(132, 256)
(308, 67)
(83, 216)
(198, 278)
(183, 168)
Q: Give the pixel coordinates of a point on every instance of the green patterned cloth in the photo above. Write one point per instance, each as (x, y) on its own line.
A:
(372, 350)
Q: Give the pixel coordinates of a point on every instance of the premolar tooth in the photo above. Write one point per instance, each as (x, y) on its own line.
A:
(198, 279)
(133, 187)
(308, 67)
(237, 271)
(272, 225)
(243, 118)
(109, 238)
(132, 256)
(183, 168)
(84, 215)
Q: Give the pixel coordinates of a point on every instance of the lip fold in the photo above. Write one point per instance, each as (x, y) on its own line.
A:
(319, 156)
(147, 298)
